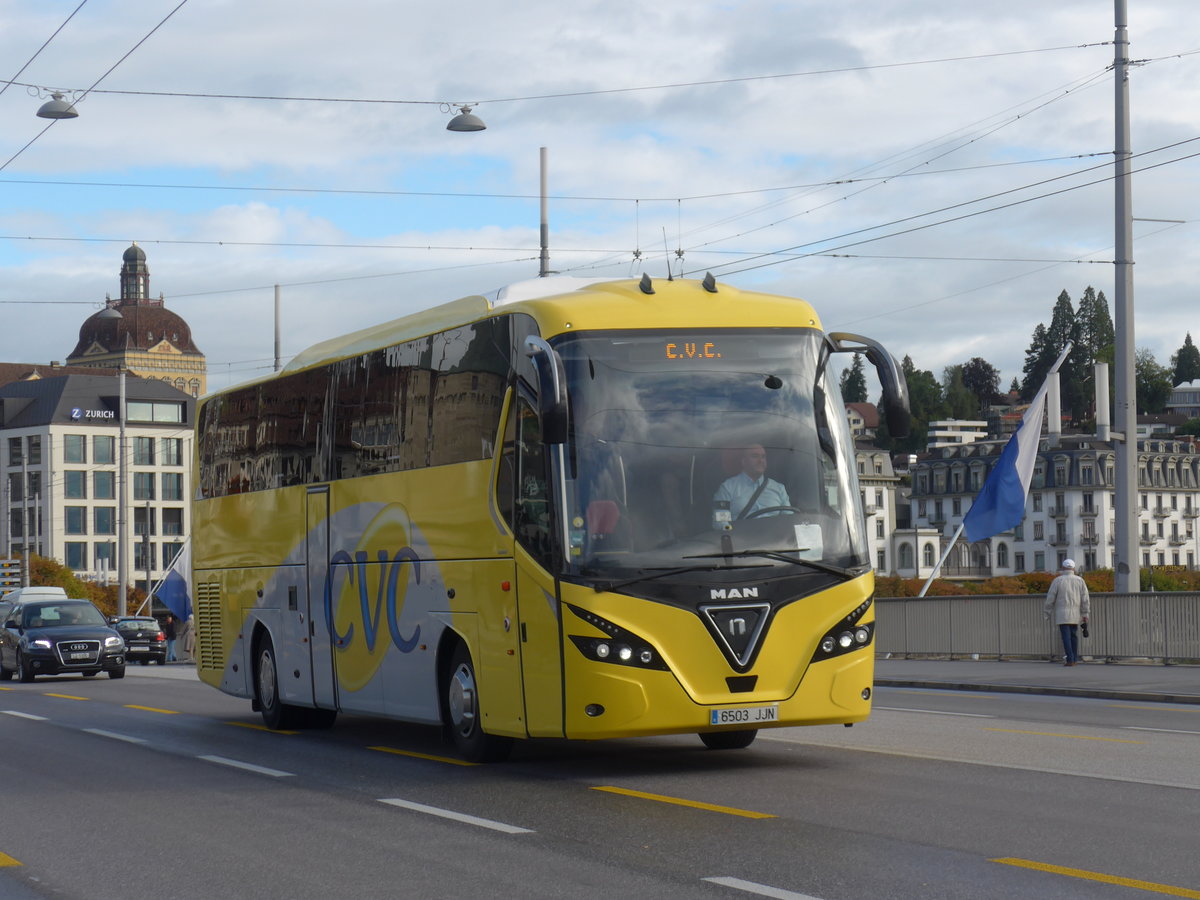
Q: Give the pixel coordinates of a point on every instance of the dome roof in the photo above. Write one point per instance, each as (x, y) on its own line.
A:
(134, 254)
(139, 328)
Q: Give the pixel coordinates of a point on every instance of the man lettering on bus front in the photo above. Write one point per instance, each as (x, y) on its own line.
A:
(749, 491)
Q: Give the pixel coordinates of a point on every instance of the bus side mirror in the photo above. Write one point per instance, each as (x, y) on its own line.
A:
(891, 377)
(552, 389)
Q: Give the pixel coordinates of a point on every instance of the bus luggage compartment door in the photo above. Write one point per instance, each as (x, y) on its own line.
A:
(320, 642)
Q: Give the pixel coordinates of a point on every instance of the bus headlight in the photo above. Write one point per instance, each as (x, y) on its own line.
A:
(602, 650)
(849, 635)
(622, 647)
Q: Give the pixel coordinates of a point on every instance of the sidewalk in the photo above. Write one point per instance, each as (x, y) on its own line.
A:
(1113, 681)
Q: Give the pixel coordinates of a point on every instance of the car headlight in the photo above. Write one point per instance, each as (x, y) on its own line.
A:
(113, 641)
(40, 645)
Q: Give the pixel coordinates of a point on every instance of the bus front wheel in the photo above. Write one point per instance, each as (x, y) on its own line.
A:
(460, 697)
(729, 740)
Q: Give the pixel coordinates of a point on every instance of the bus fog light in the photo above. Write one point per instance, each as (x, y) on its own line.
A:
(602, 650)
(866, 693)
(827, 645)
(625, 654)
(594, 709)
(845, 639)
(862, 635)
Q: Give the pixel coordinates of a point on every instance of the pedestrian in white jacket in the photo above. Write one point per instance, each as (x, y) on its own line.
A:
(1070, 604)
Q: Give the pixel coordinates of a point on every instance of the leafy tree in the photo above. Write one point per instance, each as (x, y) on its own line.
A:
(1191, 426)
(926, 402)
(1153, 383)
(1185, 364)
(960, 402)
(982, 379)
(854, 382)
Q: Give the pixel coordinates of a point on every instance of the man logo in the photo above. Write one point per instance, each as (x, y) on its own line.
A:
(732, 593)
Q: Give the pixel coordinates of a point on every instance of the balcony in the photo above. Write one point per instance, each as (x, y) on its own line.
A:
(1178, 540)
(1147, 540)
(1089, 513)
(1059, 542)
(1089, 540)
(1190, 513)
(1161, 512)
(1057, 512)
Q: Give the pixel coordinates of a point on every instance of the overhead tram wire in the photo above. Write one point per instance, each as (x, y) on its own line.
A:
(951, 220)
(7, 84)
(598, 91)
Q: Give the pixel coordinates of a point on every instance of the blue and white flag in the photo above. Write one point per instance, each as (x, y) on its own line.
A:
(1000, 505)
(175, 590)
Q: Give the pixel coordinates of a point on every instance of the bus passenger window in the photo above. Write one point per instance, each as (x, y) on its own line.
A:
(532, 516)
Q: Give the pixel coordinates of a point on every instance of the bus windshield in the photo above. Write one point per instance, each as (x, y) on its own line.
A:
(701, 448)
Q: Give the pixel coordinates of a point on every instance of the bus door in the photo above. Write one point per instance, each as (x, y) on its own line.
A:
(317, 565)
(537, 596)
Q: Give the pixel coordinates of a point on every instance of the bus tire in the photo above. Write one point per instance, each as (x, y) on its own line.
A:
(729, 740)
(460, 702)
(276, 714)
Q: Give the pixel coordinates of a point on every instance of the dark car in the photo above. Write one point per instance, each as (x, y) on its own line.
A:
(145, 640)
(58, 637)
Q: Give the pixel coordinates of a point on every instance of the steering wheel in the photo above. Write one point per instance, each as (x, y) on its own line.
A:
(775, 509)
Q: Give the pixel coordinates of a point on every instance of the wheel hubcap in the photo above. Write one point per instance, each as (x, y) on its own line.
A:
(463, 711)
(266, 680)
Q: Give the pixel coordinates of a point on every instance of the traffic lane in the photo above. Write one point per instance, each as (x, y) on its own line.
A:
(1109, 752)
(1045, 707)
(549, 779)
(217, 830)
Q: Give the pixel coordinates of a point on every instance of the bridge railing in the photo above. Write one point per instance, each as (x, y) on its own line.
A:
(1161, 627)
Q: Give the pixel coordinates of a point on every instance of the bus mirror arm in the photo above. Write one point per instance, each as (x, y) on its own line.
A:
(891, 378)
(552, 389)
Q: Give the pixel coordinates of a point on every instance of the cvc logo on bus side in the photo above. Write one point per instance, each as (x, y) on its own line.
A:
(357, 569)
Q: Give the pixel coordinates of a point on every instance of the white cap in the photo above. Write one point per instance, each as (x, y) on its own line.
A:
(1068, 563)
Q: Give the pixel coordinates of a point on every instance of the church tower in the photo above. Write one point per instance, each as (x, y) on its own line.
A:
(141, 335)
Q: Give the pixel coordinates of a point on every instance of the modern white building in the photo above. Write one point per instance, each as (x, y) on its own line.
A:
(953, 432)
(62, 461)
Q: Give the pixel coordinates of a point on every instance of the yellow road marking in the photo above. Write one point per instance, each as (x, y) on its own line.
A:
(165, 712)
(1101, 877)
(415, 755)
(66, 696)
(694, 804)
(7, 689)
(1078, 737)
(256, 727)
(6, 860)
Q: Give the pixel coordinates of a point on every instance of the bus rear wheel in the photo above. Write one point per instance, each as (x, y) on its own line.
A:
(460, 700)
(729, 740)
(275, 713)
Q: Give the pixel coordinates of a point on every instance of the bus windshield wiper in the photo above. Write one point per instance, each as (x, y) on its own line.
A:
(781, 556)
(651, 574)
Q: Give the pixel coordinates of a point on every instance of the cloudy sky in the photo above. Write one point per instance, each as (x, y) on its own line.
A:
(929, 174)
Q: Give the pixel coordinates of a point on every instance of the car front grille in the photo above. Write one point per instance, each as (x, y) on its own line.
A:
(78, 653)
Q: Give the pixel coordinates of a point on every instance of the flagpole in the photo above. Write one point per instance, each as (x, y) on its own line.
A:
(940, 562)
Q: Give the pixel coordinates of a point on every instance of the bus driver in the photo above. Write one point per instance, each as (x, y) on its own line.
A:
(749, 491)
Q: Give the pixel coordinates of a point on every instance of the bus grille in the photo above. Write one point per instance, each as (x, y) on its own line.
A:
(209, 646)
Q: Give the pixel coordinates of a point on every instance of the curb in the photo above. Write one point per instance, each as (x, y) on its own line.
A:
(1094, 693)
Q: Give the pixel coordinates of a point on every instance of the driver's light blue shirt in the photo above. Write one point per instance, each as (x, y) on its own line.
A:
(738, 490)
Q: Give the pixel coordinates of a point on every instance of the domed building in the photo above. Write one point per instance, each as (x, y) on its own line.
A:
(141, 335)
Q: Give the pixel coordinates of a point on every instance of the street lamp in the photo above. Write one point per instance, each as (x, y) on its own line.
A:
(57, 108)
(464, 121)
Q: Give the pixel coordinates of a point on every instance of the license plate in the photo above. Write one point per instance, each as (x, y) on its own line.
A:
(81, 656)
(138, 649)
(746, 715)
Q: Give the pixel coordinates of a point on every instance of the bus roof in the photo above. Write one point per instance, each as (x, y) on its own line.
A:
(562, 303)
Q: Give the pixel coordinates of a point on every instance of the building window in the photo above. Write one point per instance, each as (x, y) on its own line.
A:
(1039, 561)
(16, 452)
(1019, 562)
(75, 484)
(104, 518)
(104, 449)
(172, 451)
(1002, 555)
(1039, 531)
(140, 560)
(143, 485)
(906, 556)
(881, 561)
(34, 447)
(140, 517)
(16, 487)
(76, 555)
(143, 451)
(172, 485)
(104, 485)
(1089, 560)
(1086, 475)
(929, 558)
(1037, 502)
(172, 521)
(76, 519)
(1089, 502)
(956, 505)
(878, 527)
(105, 552)
(75, 448)
(156, 411)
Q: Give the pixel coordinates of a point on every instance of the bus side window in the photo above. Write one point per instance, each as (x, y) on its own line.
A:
(531, 516)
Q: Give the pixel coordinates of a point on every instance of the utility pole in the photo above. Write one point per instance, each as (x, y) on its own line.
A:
(1125, 498)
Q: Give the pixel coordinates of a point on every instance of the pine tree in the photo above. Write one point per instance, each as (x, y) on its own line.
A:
(854, 382)
(1185, 363)
(1039, 357)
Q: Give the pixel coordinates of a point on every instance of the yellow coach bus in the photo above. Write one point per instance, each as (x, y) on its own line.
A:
(572, 508)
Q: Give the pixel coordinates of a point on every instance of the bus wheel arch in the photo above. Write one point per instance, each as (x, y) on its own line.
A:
(458, 684)
(265, 675)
